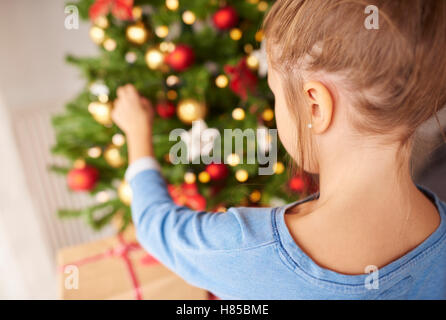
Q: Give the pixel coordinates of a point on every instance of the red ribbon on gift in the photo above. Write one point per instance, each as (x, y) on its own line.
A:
(121, 251)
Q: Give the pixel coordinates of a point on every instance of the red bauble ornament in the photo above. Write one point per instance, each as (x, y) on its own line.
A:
(166, 109)
(196, 202)
(297, 184)
(243, 80)
(217, 171)
(189, 189)
(121, 9)
(83, 179)
(187, 195)
(181, 58)
(225, 18)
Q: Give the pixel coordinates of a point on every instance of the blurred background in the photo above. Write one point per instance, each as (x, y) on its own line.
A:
(35, 83)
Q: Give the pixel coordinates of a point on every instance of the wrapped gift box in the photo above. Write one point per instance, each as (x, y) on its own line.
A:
(118, 268)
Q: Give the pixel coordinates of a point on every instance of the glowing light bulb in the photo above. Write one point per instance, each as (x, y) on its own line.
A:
(238, 114)
(189, 17)
(233, 159)
(241, 175)
(221, 81)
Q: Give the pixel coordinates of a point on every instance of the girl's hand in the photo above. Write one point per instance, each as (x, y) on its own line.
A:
(134, 115)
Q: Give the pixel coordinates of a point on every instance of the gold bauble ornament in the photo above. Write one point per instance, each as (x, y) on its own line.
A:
(235, 34)
(189, 17)
(125, 193)
(238, 114)
(167, 46)
(279, 167)
(113, 157)
(131, 57)
(241, 175)
(259, 36)
(109, 44)
(137, 33)
(154, 58)
(189, 177)
(255, 196)
(94, 152)
(101, 22)
(102, 196)
(252, 62)
(103, 98)
(172, 80)
(162, 31)
(262, 6)
(118, 139)
(137, 12)
(189, 110)
(248, 48)
(172, 4)
(164, 68)
(79, 164)
(268, 115)
(233, 159)
(97, 35)
(221, 209)
(172, 94)
(101, 112)
(204, 177)
(221, 81)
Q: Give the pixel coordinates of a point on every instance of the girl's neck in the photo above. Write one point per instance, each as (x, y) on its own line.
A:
(371, 172)
(369, 212)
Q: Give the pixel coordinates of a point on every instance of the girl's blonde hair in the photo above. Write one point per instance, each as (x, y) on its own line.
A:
(395, 75)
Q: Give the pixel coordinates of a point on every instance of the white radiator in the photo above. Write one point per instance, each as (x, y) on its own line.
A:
(48, 190)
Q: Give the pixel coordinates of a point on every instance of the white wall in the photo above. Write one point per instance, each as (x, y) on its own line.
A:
(34, 42)
(33, 76)
(25, 269)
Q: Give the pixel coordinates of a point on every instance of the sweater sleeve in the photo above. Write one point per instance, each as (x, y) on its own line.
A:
(193, 244)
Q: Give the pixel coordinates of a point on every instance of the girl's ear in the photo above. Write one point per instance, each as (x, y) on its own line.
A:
(321, 106)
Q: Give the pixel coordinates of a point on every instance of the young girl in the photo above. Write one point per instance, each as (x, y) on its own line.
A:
(348, 101)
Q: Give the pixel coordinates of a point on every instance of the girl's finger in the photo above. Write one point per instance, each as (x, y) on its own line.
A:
(131, 90)
(120, 92)
(145, 102)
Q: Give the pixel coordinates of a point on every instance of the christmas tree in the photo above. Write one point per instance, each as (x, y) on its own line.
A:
(194, 60)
